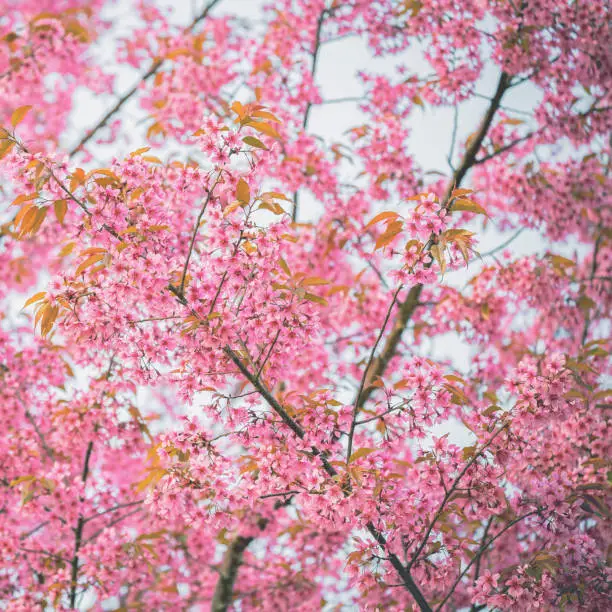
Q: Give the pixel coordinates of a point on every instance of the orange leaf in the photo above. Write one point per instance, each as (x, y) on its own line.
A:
(48, 318)
(283, 264)
(264, 128)
(311, 297)
(362, 452)
(393, 229)
(24, 197)
(90, 261)
(243, 193)
(438, 254)
(314, 280)
(5, 147)
(61, 206)
(140, 151)
(469, 206)
(381, 217)
(35, 298)
(458, 193)
(18, 116)
(265, 115)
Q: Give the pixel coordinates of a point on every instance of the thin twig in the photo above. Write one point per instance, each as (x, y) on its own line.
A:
(451, 151)
(449, 494)
(181, 287)
(44, 553)
(155, 66)
(504, 244)
(364, 376)
(587, 319)
(380, 416)
(505, 148)
(43, 442)
(113, 509)
(479, 553)
(114, 522)
(313, 70)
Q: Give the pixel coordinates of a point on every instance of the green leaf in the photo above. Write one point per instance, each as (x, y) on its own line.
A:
(254, 142)
(311, 297)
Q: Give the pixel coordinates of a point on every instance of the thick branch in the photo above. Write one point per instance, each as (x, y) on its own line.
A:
(295, 427)
(78, 538)
(376, 367)
(232, 560)
(410, 304)
(409, 583)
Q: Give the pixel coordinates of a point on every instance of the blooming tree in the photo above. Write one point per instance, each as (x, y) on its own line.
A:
(331, 457)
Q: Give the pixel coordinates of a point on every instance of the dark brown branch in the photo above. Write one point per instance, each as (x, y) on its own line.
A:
(315, 57)
(43, 442)
(114, 522)
(263, 391)
(587, 319)
(232, 560)
(113, 509)
(181, 287)
(411, 303)
(505, 148)
(485, 535)
(377, 369)
(382, 415)
(409, 583)
(78, 535)
(44, 553)
(399, 567)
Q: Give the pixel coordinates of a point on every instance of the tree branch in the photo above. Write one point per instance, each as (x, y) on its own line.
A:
(78, 535)
(155, 66)
(232, 560)
(505, 148)
(365, 374)
(477, 556)
(376, 369)
(181, 286)
(449, 494)
(309, 105)
(409, 583)
(411, 303)
(587, 319)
